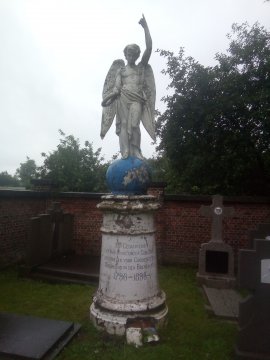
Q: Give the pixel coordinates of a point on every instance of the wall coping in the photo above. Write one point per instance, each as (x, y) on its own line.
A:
(47, 194)
(8, 193)
(226, 199)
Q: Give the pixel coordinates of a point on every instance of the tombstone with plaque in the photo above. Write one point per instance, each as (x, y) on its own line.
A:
(254, 311)
(49, 235)
(216, 259)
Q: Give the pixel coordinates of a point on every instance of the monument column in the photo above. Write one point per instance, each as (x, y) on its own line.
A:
(128, 289)
(128, 285)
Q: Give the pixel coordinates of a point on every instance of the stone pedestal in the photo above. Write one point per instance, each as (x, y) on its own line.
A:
(216, 265)
(128, 286)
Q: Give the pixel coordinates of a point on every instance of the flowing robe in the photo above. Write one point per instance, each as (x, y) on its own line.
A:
(135, 103)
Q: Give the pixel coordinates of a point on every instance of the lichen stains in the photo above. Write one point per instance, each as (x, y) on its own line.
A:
(124, 221)
(137, 174)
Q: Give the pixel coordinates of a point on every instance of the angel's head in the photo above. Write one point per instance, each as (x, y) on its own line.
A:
(132, 52)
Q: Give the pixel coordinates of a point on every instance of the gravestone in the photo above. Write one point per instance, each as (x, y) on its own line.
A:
(254, 311)
(49, 235)
(40, 237)
(262, 232)
(216, 259)
(62, 227)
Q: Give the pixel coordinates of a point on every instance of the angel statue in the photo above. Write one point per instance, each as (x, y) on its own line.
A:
(129, 93)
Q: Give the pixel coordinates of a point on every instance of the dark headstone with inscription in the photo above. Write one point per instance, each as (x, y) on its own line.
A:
(254, 311)
(40, 243)
(216, 259)
(50, 235)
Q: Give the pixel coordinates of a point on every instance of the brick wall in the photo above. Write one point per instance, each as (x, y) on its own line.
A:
(16, 209)
(180, 228)
(87, 221)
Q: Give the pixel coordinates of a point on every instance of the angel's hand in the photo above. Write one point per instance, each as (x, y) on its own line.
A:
(109, 99)
(143, 22)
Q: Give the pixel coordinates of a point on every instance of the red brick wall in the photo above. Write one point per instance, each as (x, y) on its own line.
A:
(87, 223)
(16, 209)
(180, 228)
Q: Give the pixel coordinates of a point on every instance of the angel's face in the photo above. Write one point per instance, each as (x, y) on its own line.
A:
(131, 56)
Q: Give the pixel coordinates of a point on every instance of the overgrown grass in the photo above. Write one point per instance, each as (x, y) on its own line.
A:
(190, 334)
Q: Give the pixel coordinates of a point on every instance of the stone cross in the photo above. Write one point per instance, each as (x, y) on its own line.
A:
(217, 211)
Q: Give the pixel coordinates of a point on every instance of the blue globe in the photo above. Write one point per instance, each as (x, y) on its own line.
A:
(129, 176)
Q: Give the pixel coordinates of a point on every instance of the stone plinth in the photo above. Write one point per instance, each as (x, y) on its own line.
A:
(128, 284)
(216, 265)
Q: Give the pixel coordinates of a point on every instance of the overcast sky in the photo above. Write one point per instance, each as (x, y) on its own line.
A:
(55, 55)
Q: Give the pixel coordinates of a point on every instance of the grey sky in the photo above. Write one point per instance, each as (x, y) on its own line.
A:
(55, 55)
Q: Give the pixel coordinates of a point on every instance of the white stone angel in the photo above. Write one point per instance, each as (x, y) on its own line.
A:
(129, 93)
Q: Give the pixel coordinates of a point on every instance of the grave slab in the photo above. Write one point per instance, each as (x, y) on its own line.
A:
(223, 302)
(33, 338)
(72, 269)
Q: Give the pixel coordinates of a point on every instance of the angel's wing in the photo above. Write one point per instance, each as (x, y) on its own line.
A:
(148, 116)
(108, 112)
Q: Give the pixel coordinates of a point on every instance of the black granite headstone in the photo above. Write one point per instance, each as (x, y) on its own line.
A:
(254, 312)
(40, 241)
(28, 337)
(66, 234)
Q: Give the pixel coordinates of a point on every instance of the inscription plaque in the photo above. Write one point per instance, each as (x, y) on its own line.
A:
(130, 264)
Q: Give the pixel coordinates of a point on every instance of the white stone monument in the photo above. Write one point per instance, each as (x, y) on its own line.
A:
(128, 285)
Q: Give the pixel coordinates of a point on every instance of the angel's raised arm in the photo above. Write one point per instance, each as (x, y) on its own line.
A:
(148, 41)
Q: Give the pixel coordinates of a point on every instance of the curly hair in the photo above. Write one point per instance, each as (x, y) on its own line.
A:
(133, 47)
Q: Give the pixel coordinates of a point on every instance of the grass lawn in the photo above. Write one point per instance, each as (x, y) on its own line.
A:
(190, 335)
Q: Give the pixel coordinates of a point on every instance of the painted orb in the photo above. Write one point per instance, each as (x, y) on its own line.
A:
(129, 176)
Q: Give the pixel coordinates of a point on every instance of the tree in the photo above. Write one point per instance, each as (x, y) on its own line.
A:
(74, 168)
(8, 180)
(215, 131)
(26, 172)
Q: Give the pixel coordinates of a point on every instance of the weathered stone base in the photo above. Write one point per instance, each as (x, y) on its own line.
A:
(114, 323)
(216, 265)
(128, 284)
